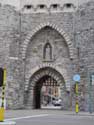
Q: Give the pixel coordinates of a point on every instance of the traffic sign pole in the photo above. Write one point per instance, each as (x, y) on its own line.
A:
(76, 78)
(77, 103)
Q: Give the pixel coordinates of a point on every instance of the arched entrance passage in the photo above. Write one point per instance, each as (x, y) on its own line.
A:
(46, 91)
(44, 77)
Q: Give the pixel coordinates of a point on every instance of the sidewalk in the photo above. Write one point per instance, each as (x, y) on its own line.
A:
(79, 113)
(58, 108)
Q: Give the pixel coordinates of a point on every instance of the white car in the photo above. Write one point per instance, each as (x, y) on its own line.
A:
(57, 102)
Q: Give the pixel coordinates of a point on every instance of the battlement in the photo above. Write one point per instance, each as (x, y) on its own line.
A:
(42, 8)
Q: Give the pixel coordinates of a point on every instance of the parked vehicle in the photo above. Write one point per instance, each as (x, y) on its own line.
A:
(57, 102)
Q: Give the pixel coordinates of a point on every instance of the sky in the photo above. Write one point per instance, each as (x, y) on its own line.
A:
(17, 2)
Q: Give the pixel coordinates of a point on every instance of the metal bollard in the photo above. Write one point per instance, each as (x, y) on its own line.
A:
(2, 111)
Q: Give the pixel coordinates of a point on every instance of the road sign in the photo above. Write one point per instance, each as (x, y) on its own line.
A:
(76, 78)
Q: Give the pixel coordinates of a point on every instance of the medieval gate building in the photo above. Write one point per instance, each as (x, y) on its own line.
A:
(45, 44)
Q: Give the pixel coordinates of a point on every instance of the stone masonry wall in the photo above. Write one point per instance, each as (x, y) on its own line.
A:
(84, 37)
(9, 39)
(14, 29)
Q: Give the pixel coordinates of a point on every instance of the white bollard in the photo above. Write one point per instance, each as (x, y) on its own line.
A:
(8, 123)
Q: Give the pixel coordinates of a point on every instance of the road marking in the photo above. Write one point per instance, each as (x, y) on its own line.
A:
(26, 117)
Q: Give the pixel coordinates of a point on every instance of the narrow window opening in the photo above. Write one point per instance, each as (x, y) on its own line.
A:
(55, 6)
(42, 6)
(28, 6)
(68, 5)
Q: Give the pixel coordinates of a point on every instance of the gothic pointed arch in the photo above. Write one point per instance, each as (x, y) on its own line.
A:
(37, 80)
(54, 26)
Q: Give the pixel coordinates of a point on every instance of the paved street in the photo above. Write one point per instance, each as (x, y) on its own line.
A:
(49, 117)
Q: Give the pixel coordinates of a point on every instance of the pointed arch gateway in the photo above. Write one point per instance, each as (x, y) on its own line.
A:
(35, 82)
(45, 77)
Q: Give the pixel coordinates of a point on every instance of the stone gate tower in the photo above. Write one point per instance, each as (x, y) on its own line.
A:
(47, 39)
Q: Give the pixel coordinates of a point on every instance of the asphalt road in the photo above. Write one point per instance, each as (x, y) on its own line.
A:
(49, 117)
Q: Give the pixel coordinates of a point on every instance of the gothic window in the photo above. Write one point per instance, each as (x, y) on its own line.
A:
(47, 52)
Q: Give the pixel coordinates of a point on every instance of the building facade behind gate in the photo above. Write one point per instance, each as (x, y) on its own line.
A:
(47, 40)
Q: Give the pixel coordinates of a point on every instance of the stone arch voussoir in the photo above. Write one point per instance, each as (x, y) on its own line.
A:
(54, 26)
(41, 74)
(38, 76)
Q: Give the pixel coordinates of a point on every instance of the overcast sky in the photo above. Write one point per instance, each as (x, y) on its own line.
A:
(17, 2)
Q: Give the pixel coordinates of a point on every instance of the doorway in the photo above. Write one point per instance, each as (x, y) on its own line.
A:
(46, 92)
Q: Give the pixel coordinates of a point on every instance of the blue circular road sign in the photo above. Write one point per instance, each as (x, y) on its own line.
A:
(76, 78)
